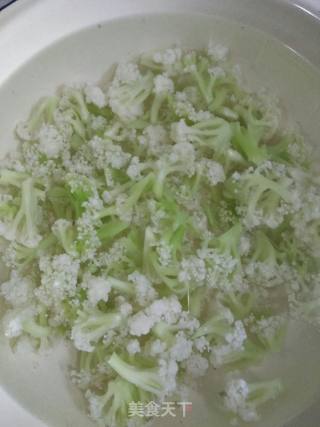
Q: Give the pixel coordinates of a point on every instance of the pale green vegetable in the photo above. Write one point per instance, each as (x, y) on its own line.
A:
(153, 224)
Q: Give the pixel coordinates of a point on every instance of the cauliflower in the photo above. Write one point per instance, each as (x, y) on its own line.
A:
(98, 290)
(17, 290)
(94, 95)
(160, 225)
(50, 141)
(128, 91)
(243, 398)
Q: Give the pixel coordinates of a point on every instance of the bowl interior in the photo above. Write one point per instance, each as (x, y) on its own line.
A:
(40, 383)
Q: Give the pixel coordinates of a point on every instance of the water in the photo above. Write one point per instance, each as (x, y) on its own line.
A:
(265, 62)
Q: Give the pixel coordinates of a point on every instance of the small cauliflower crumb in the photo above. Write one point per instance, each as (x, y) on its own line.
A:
(192, 269)
(168, 373)
(182, 348)
(135, 168)
(98, 289)
(133, 347)
(140, 324)
(143, 288)
(217, 72)
(162, 84)
(17, 290)
(237, 392)
(167, 309)
(127, 71)
(214, 172)
(157, 347)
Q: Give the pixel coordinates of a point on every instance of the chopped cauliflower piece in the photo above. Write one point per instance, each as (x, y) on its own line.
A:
(168, 57)
(133, 346)
(98, 290)
(197, 365)
(17, 290)
(140, 324)
(162, 84)
(94, 95)
(51, 141)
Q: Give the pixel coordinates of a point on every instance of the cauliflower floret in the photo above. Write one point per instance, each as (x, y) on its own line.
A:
(192, 269)
(51, 141)
(221, 270)
(143, 288)
(17, 290)
(12, 326)
(98, 290)
(98, 122)
(164, 253)
(128, 91)
(168, 372)
(182, 348)
(163, 84)
(95, 95)
(59, 278)
(23, 131)
(184, 108)
(183, 152)
(167, 309)
(91, 326)
(235, 344)
(213, 171)
(180, 132)
(107, 153)
(135, 168)
(217, 72)
(243, 399)
(269, 330)
(125, 309)
(245, 245)
(237, 337)
(140, 324)
(122, 211)
(237, 392)
(13, 321)
(157, 347)
(133, 346)
(153, 139)
(202, 344)
(127, 71)
(168, 57)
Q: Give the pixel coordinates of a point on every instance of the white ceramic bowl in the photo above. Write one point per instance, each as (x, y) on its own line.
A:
(44, 43)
